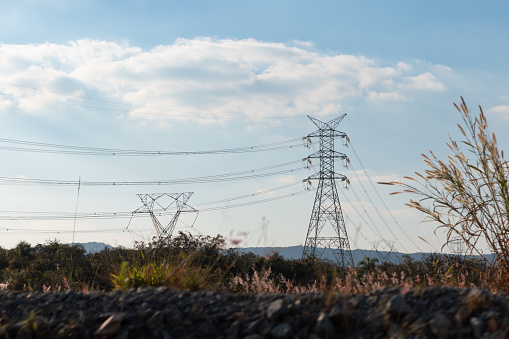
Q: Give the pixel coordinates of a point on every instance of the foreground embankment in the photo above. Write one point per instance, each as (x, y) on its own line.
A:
(165, 313)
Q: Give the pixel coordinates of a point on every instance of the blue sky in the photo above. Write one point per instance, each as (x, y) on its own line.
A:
(169, 76)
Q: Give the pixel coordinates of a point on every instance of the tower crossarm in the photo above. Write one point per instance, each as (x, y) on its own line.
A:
(331, 125)
(329, 133)
(328, 176)
(327, 154)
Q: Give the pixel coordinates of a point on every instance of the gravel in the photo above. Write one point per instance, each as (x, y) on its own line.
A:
(164, 313)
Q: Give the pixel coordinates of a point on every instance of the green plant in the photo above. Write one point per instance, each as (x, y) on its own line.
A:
(468, 193)
(179, 274)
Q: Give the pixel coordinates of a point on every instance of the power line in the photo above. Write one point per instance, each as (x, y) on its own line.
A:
(27, 215)
(195, 115)
(13, 230)
(375, 208)
(383, 202)
(254, 202)
(196, 180)
(372, 228)
(248, 195)
(41, 147)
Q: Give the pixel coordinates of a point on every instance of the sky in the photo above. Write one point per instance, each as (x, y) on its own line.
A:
(81, 81)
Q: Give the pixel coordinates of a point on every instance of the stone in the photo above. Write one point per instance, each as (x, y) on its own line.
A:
(254, 336)
(234, 330)
(277, 309)
(440, 325)
(477, 325)
(282, 331)
(462, 315)
(110, 327)
(397, 306)
(477, 299)
(155, 322)
(434, 312)
(324, 327)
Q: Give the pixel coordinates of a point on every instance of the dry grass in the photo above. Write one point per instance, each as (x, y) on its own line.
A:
(468, 193)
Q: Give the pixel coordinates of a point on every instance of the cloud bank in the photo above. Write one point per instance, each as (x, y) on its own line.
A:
(218, 77)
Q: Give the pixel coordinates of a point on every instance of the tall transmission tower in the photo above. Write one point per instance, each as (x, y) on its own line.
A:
(327, 208)
(165, 204)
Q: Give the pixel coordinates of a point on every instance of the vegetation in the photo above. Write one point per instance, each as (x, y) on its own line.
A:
(203, 263)
(468, 193)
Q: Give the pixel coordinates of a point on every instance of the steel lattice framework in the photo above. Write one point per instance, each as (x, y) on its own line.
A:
(457, 245)
(327, 208)
(165, 204)
(383, 249)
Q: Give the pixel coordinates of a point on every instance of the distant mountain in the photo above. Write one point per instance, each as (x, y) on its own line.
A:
(92, 247)
(295, 252)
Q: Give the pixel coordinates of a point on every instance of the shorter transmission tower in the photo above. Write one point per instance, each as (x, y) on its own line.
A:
(457, 246)
(383, 249)
(164, 204)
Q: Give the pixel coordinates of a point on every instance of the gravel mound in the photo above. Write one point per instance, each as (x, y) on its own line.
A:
(165, 313)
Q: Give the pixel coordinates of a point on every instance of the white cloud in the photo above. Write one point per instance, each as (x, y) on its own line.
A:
(218, 77)
(387, 96)
(306, 44)
(502, 110)
(4, 105)
(404, 67)
(424, 81)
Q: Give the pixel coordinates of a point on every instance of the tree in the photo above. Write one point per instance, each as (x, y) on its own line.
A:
(468, 193)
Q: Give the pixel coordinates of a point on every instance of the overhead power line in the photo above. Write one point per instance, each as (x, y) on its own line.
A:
(196, 180)
(188, 114)
(383, 202)
(41, 147)
(27, 215)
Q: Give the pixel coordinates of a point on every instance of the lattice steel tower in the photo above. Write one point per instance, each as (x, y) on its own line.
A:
(163, 204)
(326, 208)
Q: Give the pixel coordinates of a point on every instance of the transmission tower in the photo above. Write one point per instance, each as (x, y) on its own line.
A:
(457, 245)
(165, 204)
(326, 208)
(383, 249)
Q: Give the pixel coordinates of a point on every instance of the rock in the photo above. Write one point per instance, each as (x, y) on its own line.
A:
(477, 299)
(165, 313)
(110, 327)
(490, 319)
(396, 306)
(282, 331)
(251, 327)
(462, 315)
(324, 327)
(234, 330)
(155, 322)
(440, 325)
(254, 336)
(342, 318)
(277, 309)
(477, 326)
(374, 323)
